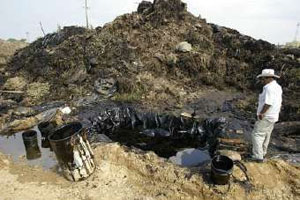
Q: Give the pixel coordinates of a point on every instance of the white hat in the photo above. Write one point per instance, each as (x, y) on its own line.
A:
(186, 114)
(268, 73)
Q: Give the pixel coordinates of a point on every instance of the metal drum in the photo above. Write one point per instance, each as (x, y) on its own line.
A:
(45, 129)
(31, 145)
(73, 151)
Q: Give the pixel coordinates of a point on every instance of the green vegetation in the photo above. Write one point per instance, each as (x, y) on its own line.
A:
(128, 97)
(15, 40)
(131, 94)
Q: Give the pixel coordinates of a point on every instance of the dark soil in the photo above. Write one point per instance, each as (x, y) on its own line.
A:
(138, 51)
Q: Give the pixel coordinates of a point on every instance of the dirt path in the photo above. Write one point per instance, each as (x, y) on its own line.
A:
(128, 174)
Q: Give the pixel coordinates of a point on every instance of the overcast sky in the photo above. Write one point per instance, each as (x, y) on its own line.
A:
(271, 20)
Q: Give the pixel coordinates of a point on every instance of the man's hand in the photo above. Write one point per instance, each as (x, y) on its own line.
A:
(263, 111)
(260, 116)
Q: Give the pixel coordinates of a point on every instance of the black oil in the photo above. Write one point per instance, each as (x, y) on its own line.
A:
(223, 163)
(66, 131)
(14, 146)
(221, 169)
(163, 146)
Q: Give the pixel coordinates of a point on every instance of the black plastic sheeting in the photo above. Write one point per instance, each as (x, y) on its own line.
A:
(154, 125)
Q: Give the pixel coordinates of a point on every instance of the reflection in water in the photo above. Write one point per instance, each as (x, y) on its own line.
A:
(190, 157)
(14, 146)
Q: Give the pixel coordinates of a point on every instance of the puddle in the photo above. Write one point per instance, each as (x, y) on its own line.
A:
(14, 147)
(190, 157)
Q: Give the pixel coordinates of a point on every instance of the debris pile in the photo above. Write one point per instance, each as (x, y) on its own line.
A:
(7, 49)
(138, 51)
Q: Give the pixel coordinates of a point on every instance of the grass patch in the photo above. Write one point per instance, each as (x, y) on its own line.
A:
(129, 92)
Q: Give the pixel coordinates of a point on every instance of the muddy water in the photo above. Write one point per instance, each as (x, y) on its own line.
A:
(14, 147)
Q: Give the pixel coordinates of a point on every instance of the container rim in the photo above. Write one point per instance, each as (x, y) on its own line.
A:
(62, 127)
(29, 134)
(225, 159)
(43, 124)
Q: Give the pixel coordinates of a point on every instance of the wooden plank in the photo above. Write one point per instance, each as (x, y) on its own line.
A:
(11, 92)
(231, 141)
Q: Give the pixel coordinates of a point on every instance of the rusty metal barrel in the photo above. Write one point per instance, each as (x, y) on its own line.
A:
(73, 151)
(45, 129)
(31, 145)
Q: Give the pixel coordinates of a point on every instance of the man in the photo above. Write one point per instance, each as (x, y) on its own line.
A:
(269, 105)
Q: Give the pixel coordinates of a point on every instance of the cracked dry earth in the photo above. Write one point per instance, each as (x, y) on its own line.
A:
(124, 173)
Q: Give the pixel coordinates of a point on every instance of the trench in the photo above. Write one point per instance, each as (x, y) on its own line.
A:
(165, 147)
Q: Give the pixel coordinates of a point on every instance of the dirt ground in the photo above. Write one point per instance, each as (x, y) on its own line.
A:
(124, 173)
(8, 48)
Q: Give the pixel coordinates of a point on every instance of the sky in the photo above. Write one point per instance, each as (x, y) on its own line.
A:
(271, 20)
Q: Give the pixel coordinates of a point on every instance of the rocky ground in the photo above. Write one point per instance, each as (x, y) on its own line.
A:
(160, 59)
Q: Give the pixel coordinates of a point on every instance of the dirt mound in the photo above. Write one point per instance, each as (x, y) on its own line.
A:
(138, 51)
(127, 174)
(7, 49)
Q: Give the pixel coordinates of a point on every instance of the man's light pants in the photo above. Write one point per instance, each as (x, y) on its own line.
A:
(261, 137)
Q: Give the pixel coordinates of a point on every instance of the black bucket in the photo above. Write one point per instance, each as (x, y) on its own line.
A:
(46, 128)
(221, 169)
(72, 151)
(31, 145)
